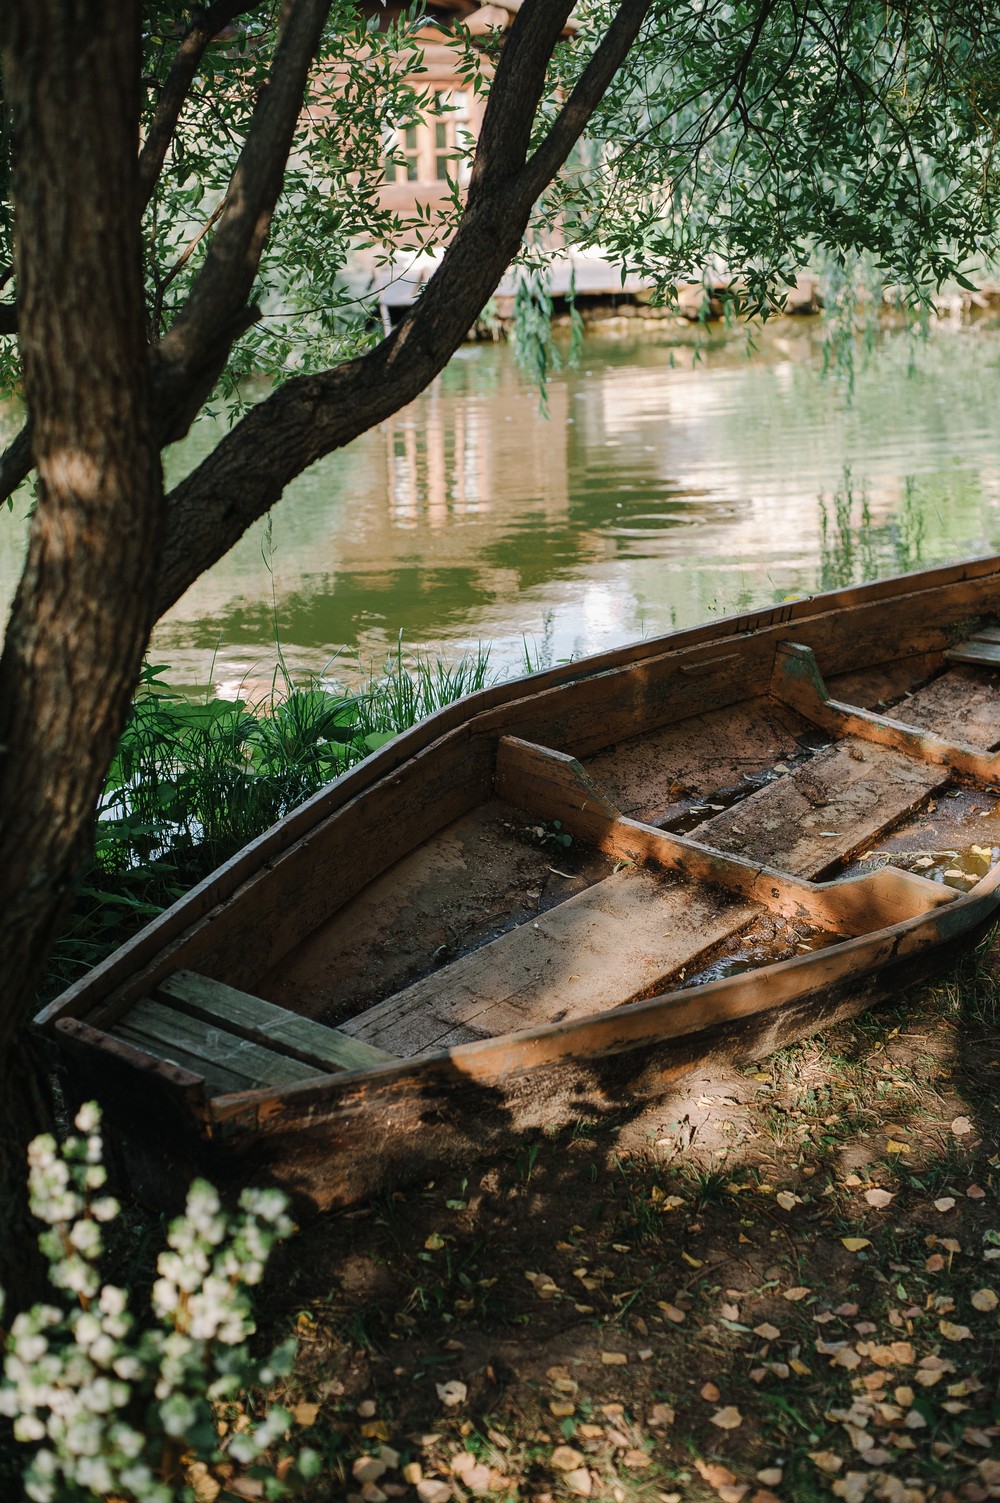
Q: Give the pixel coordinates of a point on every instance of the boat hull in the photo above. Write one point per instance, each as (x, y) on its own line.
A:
(333, 1139)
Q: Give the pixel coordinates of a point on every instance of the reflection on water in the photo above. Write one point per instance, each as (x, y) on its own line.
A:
(669, 483)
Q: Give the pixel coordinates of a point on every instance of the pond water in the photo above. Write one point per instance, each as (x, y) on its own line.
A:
(676, 477)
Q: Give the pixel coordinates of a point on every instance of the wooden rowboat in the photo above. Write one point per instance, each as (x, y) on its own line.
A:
(568, 890)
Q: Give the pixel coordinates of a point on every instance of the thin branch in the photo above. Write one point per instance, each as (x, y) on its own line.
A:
(222, 287)
(162, 283)
(16, 463)
(515, 91)
(204, 27)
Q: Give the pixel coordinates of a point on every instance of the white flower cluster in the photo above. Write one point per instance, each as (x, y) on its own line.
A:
(109, 1410)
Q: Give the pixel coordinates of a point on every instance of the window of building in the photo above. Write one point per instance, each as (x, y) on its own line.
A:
(435, 149)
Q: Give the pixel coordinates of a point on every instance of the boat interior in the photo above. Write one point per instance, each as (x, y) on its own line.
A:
(583, 879)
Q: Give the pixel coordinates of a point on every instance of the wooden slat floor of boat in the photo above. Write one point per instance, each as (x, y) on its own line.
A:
(226, 1061)
(653, 777)
(810, 820)
(605, 946)
(959, 706)
(454, 893)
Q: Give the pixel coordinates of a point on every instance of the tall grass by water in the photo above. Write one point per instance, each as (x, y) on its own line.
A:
(193, 781)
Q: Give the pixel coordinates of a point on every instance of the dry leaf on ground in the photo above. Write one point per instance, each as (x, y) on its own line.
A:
(714, 1473)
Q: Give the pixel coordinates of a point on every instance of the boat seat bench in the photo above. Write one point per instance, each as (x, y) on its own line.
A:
(235, 1041)
(981, 649)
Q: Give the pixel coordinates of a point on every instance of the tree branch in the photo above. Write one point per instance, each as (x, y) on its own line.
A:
(587, 93)
(515, 91)
(312, 415)
(186, 359)
(16, 463)
(205, 25)
(8, 311)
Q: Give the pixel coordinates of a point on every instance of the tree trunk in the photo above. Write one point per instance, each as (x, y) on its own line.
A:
(82, 614)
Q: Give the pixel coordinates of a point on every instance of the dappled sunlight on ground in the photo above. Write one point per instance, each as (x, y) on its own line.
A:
(777, 1283)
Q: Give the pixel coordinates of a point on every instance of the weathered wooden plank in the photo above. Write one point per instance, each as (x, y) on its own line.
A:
(540, 780)
(812, 819)
(222, 1056)
(218, 1079)
(976, 650)
(185, 1085)
(957, 706)
(606, 946)
(658, 775)
(263, 1023)
(851, 906)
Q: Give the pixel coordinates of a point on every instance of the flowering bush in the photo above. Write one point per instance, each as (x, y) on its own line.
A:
(115, 1410)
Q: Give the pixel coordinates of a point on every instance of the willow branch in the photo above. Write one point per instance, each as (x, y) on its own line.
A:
(183, 70)
(222, 287)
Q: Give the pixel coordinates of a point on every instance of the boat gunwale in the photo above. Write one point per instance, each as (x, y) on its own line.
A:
(222, 886)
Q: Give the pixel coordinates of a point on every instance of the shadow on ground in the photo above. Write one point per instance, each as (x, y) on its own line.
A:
(776, 1283)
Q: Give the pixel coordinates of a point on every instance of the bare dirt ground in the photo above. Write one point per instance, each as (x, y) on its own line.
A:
(777, 1284)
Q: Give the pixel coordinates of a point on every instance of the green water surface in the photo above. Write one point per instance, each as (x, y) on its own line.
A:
(675, 478)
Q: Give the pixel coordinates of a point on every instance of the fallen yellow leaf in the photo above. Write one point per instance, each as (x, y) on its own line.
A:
(855, 1244)
(566, 1459)
(827, 1461)
(206, 1488)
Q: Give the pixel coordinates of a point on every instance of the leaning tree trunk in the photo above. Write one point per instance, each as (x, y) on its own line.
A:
(83, 610)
